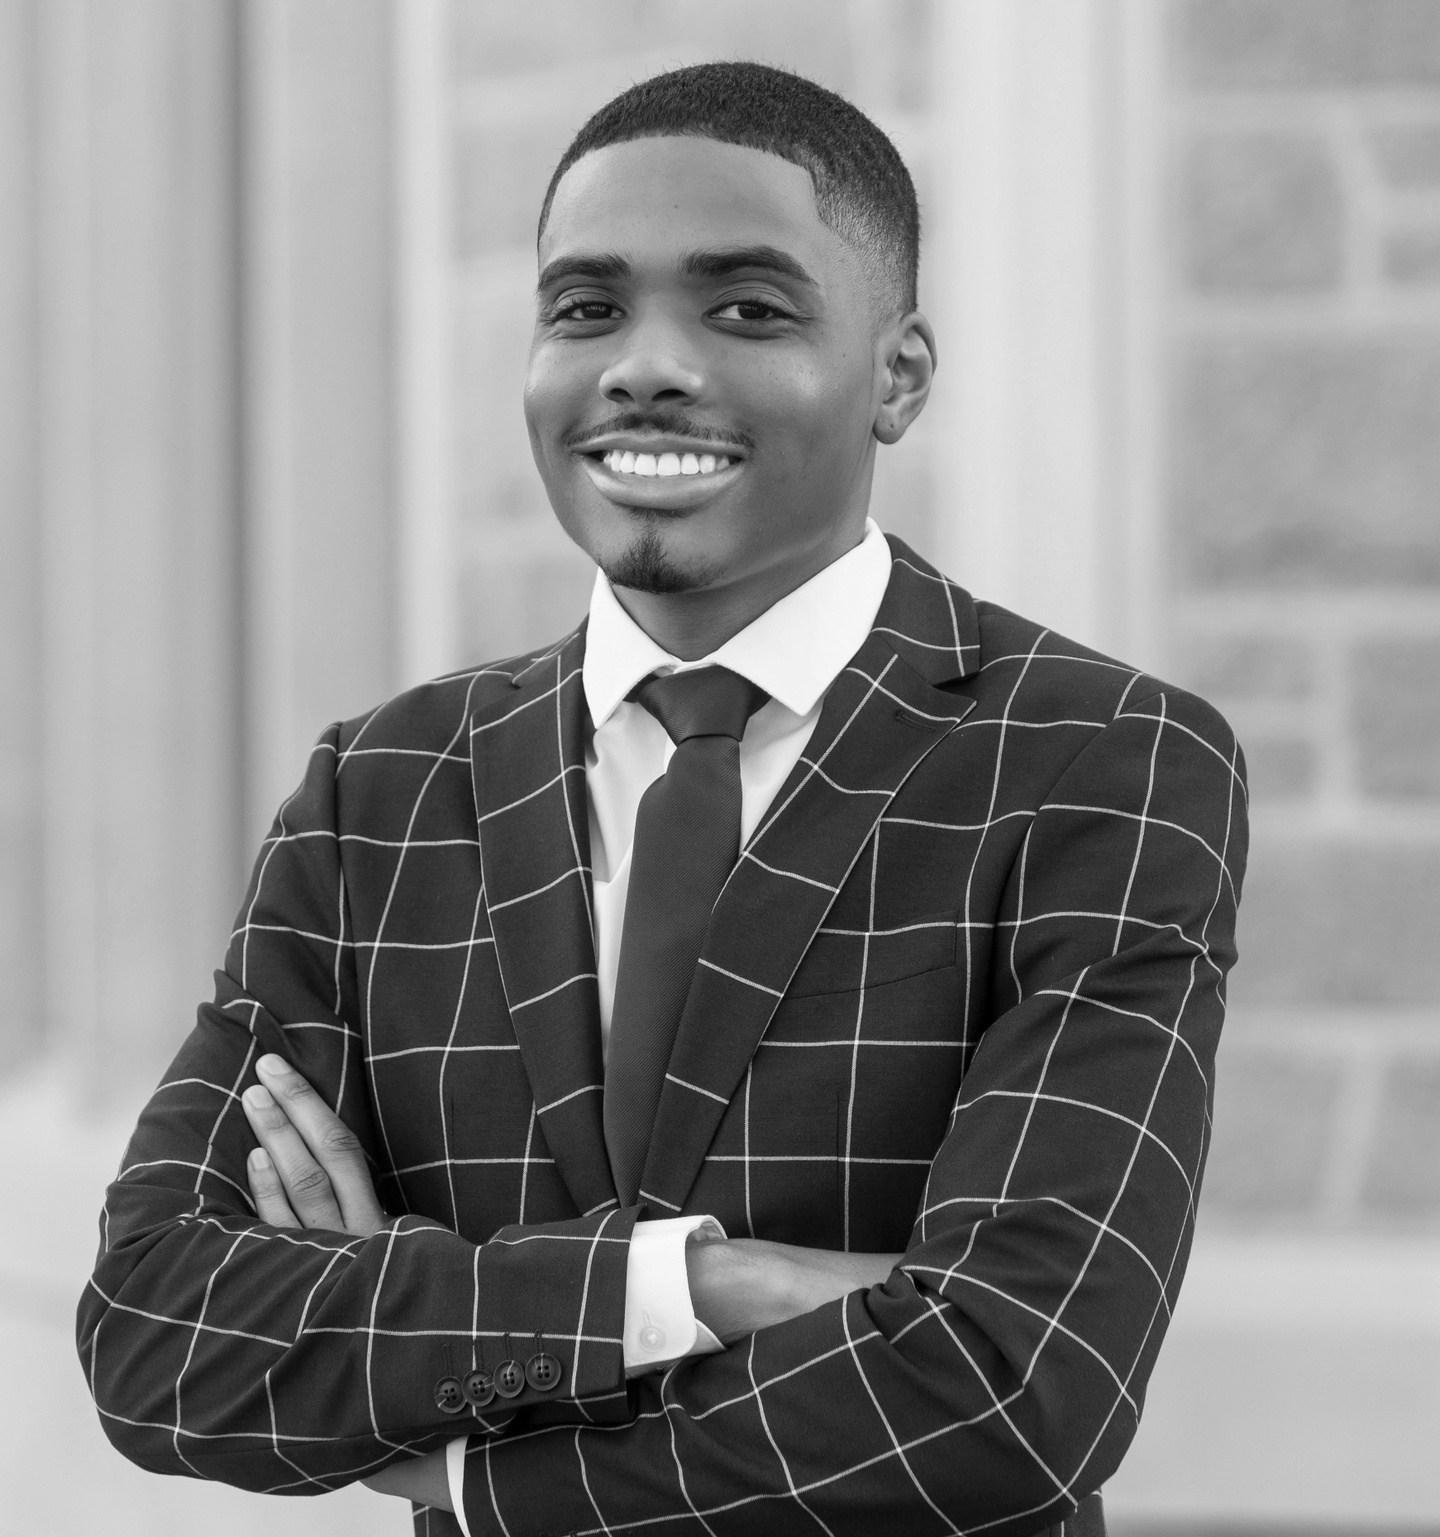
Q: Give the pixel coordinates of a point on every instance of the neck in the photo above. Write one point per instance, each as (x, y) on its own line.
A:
(690, 625)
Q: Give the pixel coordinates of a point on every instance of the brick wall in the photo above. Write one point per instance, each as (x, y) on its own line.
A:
(1304, 523)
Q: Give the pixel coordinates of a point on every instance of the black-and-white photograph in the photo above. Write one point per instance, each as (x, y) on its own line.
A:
(720, 768)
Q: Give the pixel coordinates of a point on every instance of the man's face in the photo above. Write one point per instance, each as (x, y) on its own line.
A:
(705, 372)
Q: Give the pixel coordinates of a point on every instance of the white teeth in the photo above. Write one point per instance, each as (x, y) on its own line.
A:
(627, 462)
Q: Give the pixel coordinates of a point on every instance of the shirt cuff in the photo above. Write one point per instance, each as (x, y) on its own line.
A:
(455, 1476)
(660, 1322)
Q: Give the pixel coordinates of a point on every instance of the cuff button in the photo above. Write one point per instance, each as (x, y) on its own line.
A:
(509, 1378)
(478, 1388)
(651, 1338)
(543, 1372)
(449, 1398)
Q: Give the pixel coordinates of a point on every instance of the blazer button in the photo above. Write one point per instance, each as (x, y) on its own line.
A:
(543, 1372)
(479, 1388)
(509, 1378)
(449, 1397)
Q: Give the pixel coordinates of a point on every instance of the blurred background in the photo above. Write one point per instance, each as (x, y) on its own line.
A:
(265, 279)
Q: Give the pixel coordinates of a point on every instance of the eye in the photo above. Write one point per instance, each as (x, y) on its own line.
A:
(583, 310)
(750, 310)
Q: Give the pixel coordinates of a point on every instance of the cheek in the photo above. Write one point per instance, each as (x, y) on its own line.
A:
(553, 394)
(816, 412)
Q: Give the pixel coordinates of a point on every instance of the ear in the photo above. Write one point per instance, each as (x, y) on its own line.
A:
(905, 355)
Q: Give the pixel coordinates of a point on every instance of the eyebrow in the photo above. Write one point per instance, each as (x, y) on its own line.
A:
(731, 259)
(600, 265)
(719, 263)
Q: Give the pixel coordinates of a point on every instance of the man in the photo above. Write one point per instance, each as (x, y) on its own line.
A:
(795, 898)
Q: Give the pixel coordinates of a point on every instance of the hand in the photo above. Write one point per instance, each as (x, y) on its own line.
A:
(309, 1170)
(743, 1284)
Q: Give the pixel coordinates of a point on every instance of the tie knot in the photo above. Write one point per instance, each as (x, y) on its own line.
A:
(708, 701)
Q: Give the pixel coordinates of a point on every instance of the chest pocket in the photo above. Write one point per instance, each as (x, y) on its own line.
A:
(844, 960)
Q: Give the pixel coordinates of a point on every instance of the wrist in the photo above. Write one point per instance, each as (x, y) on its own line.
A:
(706, 1263)
(740, 1285)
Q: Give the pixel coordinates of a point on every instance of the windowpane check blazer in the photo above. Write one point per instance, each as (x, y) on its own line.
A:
(960, 998)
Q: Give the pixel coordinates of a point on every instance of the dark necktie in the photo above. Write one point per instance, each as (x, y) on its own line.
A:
(687, 839)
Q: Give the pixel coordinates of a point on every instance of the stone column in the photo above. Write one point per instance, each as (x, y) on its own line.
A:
(137, 479)
(1044, 241)
(19, 547)
(320, 349)
(197, 476)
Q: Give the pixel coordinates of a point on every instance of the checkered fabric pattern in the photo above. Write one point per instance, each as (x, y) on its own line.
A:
(960, 998)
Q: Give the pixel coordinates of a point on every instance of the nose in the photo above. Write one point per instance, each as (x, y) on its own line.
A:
(656, 365)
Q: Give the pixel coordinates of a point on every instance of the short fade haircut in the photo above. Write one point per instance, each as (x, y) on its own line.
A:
(862, 189)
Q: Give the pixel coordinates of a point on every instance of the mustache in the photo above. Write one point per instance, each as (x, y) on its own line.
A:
(665, 423)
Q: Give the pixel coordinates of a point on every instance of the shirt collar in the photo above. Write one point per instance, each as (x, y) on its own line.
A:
(794, 650)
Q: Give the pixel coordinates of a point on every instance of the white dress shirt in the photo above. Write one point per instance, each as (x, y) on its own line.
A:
(794, 651)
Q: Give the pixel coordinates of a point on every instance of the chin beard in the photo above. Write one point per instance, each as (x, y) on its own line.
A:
(645, 567)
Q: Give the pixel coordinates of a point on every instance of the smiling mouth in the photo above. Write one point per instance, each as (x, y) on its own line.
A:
(661, 466)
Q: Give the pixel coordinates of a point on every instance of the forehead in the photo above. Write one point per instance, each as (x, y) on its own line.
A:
(654, 199)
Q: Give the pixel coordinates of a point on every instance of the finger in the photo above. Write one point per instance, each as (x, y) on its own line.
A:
(331, 1142)
(267, 1192)
(306, 1185)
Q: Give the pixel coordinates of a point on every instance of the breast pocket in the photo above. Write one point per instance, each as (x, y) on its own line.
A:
(842, 960)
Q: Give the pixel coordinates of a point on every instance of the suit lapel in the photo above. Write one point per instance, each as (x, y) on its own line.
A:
(881, 718)
(527, 757)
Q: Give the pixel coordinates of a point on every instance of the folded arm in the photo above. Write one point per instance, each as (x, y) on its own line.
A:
(309, 1171)
(220, 1344)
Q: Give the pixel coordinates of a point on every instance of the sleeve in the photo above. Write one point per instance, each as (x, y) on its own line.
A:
(997, 1376)
(294, 1362)
(660, 1322)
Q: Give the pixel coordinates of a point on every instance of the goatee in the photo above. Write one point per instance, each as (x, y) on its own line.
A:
(645, 567)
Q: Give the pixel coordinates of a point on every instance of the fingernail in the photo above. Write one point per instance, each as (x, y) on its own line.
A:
(259, 1159)
(257, 1096)
(270, 1063)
